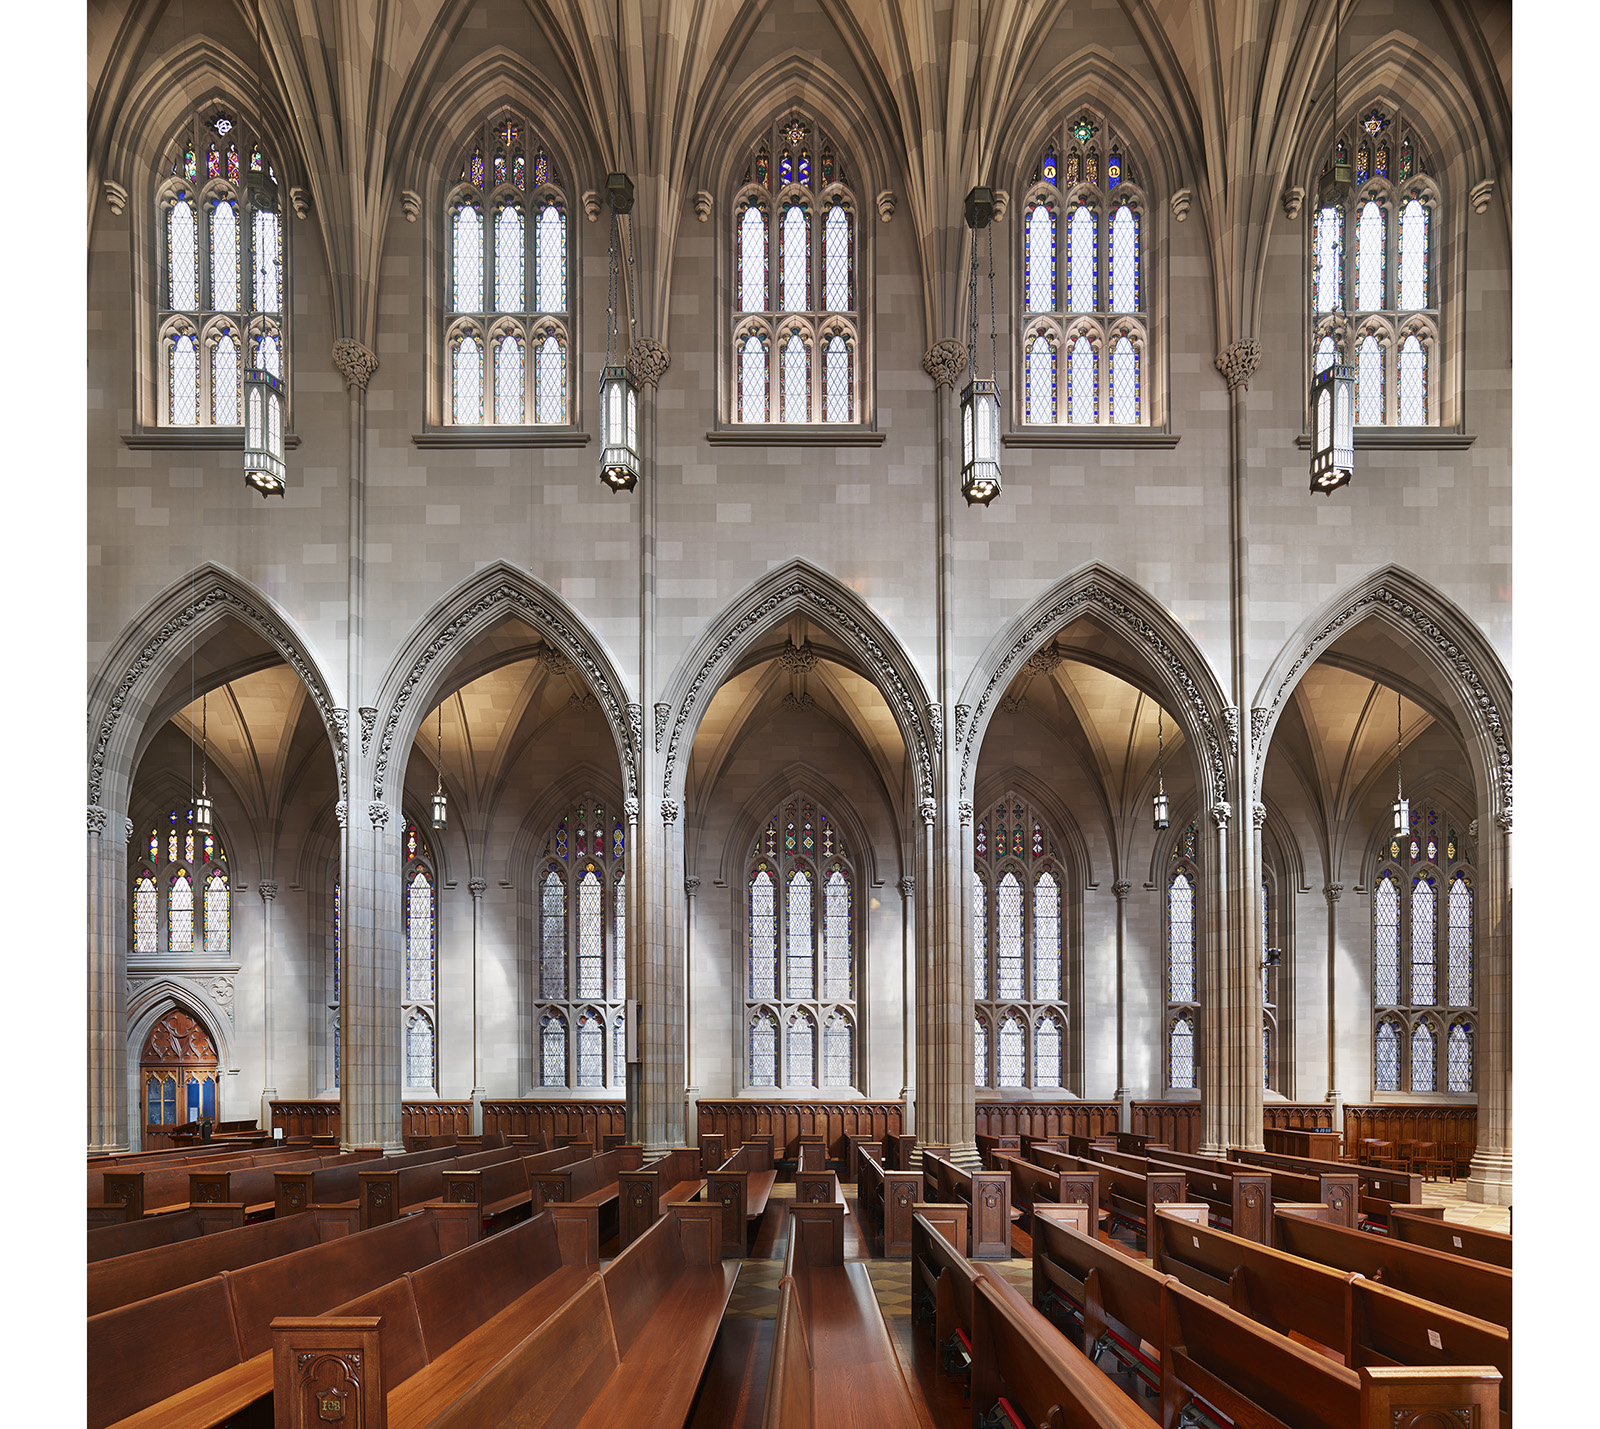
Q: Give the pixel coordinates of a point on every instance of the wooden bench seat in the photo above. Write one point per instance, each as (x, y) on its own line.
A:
(166, 1188)
(1036, 1185)
(387, 1192)
(1130, 1197)
(645, 1192)
(897, 1150)
(108, 1242)
(256, 1186)
(987, 1196)
(742, 1185)
(989, 1145)
(507, 1186)
(1470, 1242)
(1240, 1200)
(941, 1283)
(1337, 1189)
(884, 1199)
(299, 1188)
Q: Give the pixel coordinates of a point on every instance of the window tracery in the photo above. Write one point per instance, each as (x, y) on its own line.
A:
(419, 999)
(1183, 960)
(182, 905)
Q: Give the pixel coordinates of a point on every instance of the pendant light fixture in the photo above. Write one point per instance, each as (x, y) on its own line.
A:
(1333, 389)
(619, 388)
(264, 470)
(1402, 809)
(980, 401)
(440, 803)
(1159, 807)
(202, 801)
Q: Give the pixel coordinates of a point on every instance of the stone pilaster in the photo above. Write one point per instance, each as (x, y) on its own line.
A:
(109, 833)
(1490, 1180)
(477, 887)
(908, 1000)
(268, 889)
(1121, 889)
(1332, 894)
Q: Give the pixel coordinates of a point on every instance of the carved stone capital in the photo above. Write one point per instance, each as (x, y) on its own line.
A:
(886, 205)
(630, 809)
(379, 814)
(115, 195)
(299, 202)
(1221, 812)
(356, 361)
(1002, 201)
(797, 659)
(964, 812)
(1258, 815)
(341, 811)
(1293, 197)
(907, 887)
(1011, 702)
(410, 204)
(1237, 362)
(591, 205)
(1480, 195)
(703, 204)
(1503, 819)
(691, 885)
(945, 362)
(477, 887)
(1332, 892)
(669, 811)
(97, 819)
(650, 360)
(1121, 888)
(929, 809)
(1179, 203)
(268, 889)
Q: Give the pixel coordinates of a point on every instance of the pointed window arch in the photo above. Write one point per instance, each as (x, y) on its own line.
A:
(1047, 1039)
(421, 1066)
(1183, 958)
(418, 1004)
(838, 1051)
(552, 1049)
(1013, 1051)
(763, 1071)
(179, 887)
(1180, 1051)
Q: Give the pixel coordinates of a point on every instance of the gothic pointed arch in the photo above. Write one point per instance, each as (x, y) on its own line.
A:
(1179, 670)
(527, 844)
(424, 666)
(795, 779)
(797, 588)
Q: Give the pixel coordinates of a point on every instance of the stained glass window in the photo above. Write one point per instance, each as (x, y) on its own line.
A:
(551, 379)
(1369, 383)
(796, 269)
(1413, 276)
(1046, 938)
(1047, 1051)
(1458, 1053)
(796, 379)
(225, 381)
(1460, 944)
(180, 913)
(1039, 258)
(838, 394)
(1124, 381)
(553, 1050)
(619, 1051)
(1386, 1056)
(419, 1051)
(1413, 383)
(800, 971)
(183, 380)
(1386, 940)
(1041, 388)
(619, 940)
(144, 915)
(1008, 937)
(419, 938)
(551, 259)
(553, 936)
(763, 1050)
(468, 252)
(591, 1049)
(836, 959)
(1081, 260)
(1123, 282)
(1180, 1052)
(753, 259)
(980, 1053)
(508, 257)
(508, 379)
(224, 255)
(1181, 939)
(1369, 258)
(1013, 1051)
(468, 381)
(801, 1051)
(183, 274)
(1083, 396)
(590, 958)
(1424, 1057)
(836, 260)
(838, 1051)
(1424, 910)
(268, 266)
(753, 379)
(980, 938)
(216, 913)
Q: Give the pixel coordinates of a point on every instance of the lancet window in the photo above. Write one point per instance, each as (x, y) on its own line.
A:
(182, 906)
(1183, 961)
(419, 1000)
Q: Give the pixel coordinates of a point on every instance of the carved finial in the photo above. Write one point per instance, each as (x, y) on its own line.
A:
(356, 361)
(945, 362)
(669, 811)
(929, 809)
(477, 887)
(1121, 888)
(1480, 195)
(1293, 197)
(886, 205)
(410, 204)
(591, 205)
(116, 196)
(650, 360)
(702, 205)
(1237, 362)
(1179, 203)
(268, 889)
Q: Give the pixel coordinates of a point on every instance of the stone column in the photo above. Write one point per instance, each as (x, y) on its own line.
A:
(908, 1002)
(1122, 888)
(1334, 1098)
(1490, 1180)
(372, 945)
(108, 980)
(661, 991)
(691, 1093)
(268, 889)
(477, 887)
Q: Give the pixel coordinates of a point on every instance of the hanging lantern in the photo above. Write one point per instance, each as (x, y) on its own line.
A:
(263, 432)
(202, 803)
(619, 428)
(980, 441)
(1159, 803)
(441, 805)
(1161, 814)
(1402, 817)
(1333, 432)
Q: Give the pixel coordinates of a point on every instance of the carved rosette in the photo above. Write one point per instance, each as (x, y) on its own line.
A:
(650, 360)
(929, 809)
(945, 362)
(669, 811)
(379, 814)
(356, 361)
(221, 990)
(1237, 362)
(477, 887)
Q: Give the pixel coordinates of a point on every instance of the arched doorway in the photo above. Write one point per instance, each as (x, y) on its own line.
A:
(177, 1077)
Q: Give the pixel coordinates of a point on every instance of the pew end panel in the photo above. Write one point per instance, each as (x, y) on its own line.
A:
(327, 1369)
(991, 1215)
(1341, 1193)
(1405, 1397)
(577, 1232)
(947, 1220)
(818, 1231)
(332, 1221)
(874, 1149)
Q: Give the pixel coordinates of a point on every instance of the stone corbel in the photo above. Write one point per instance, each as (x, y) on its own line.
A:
(356, 361)
(1293, 197)
(299, 202)
(702, 206)
(591, 205)
(1480, 195)
(945, 362)
(1002, 201)
(1237, 362)
(410, 204)
(886, 205)
(115, 195)
(650, 360)
(1180, 202)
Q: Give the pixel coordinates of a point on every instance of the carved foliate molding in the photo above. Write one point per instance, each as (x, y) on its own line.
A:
(792, 701)
(178, 629)
(97, 819)
(221, 990)
(1332, 891)
(127, 830)
(636, 727)
(552, 627)
(1503, 819)
(1259, 718)
(1237, 362)
(907, 887)
(1221, 812)
(369, 720)
(1044, 661)
(945, 362)
(268, 889)
(963, 714)
(650, 360)
(1121, 889)
(379, 814)
(964, 812)
(1230, 722)
(477, 887)
(1011, 702)
(669, 811)
(356, 361)
(929, 809)
(663, 714)
(936, 727)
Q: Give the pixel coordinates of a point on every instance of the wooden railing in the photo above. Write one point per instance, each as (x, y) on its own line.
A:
(587, 1121)
(1452, 1129)
(786, 1122)
(579, 1121)
(1014, 1118)
(1298, 1116)
(1174, 1124)
(306, 1118)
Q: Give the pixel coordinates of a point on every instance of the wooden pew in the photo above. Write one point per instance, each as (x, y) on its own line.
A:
(297, 1189)
(388, 1192)
(629, 1347)
(987, 1195)
(505, 1188)
(817, 1188)
(1130, 1197)
(1380, 1189)
(742, 1186)
(1245, 1371)
(811, 1152)
(150, 1160)
(941, 1282)
(429, 1336)
(645, 1192)
(713, 1150)
(1035, 1185)
(1338, 1190)
(1471, 1242)
(844, 1370)
(1240, 1200)
(1469, 1286)
(256, 1186)
(1022, 1366)
(107, 1242)
(166, 1188)
(1051, 1143)
(860, 1146)
(885, 1200)
(199, 1355)
(897, 1150)
(989, 1145)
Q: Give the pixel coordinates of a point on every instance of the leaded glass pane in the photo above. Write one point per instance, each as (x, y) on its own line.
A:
(550, 259)
(1460, 935)
(1008, 936)
(1329, 259)
(800, 1069)
(1124, 381)
(1041, 380)
(753, 380)
(419, 939)
(183, 269)
(1386, 1057)
(268, 263)
(796, 379)
(508, 250)
(553, 1050)
(1458, 1050)
(1039, 281)
(591, 1049)
(1369, 383)
(1423, 1057)
(1081, 261)
(619, 1051)
(1046, 938)
(468, 247)
(1180, 940)
(836, 286)
(180, 914)
(1424, 914)
(224, 256)
(183, 380)
(216, 914)
(753, 260)
(980, 1053)
(550, 379)
(764, 1050)
(796, 261)
(1047, 1052)
(1082, 382)
(419, 1051)
(268, 354)
(144, 915)
(1180, 1053)
(468, 382)
(763, 935)
(1013, 1052)
(1386, 941)
(508, 386)
(553, 937)
(619, 941)
(225, 381)
(1369, 258)
(1124, 276)
(836, 959)
(836, 397)
(334, 960)
(1326, 355)
(838, 1052)
(980, 938)
(1411, 291)
(1413, 383)
(800, 969)
(590, 956)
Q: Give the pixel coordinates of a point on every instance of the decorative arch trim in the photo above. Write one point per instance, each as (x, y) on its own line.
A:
(150, 1001)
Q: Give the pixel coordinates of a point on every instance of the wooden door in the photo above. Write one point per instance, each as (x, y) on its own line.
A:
(177, 1077)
